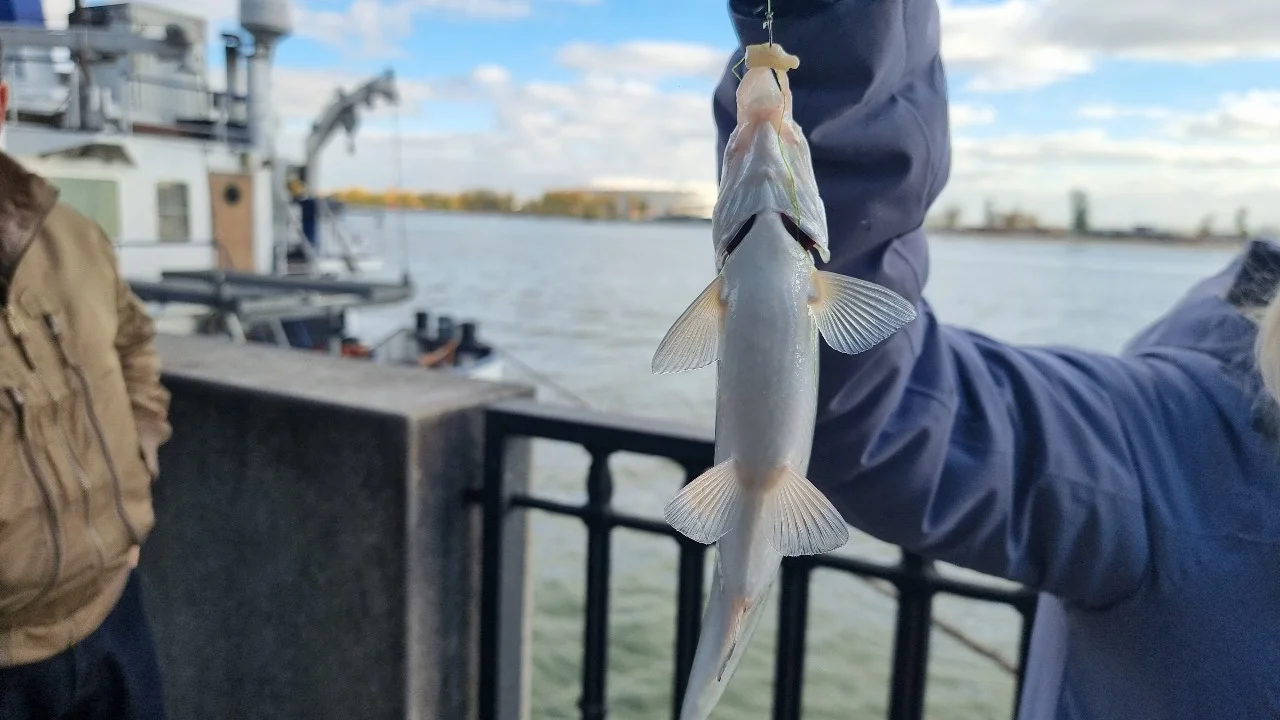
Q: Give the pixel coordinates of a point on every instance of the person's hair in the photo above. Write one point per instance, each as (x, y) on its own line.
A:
(1267, 348)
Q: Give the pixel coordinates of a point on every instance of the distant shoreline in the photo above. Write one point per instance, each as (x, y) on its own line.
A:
(1158, 239)
(1021, 236)
(516, 214)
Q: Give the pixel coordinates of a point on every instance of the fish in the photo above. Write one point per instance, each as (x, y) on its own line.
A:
(760, 320)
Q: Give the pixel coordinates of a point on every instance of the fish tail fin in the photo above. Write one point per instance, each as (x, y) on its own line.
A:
(727, 627)
(707, 508)
(855, 315)
(740, 609)
(799, 520)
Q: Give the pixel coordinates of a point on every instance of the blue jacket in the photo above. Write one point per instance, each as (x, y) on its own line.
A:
(1140, 494)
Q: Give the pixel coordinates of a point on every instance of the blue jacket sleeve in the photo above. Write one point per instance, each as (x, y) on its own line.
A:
(1010, 461)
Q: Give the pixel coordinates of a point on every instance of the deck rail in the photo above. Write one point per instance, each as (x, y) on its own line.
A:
(914, 578)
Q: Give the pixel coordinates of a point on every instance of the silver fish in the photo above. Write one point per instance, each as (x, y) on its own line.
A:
(760, 320)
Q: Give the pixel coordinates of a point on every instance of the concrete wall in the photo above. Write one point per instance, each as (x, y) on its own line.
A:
(312, 556)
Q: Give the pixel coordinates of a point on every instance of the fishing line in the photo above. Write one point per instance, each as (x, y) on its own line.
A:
(768, 19)
(398, 149)
(544, 380)
(768, 25)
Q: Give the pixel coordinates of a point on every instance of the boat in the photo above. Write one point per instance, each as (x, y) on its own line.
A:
(214, 228)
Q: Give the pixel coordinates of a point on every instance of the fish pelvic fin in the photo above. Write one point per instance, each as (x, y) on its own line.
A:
(799, 518)
(693, 341)
(855, 315)
(706, 509)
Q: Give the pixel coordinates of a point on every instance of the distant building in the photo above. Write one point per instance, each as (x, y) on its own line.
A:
(641, 200)
(1080, 212)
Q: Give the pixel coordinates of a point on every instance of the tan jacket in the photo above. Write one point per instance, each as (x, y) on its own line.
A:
(81, 405)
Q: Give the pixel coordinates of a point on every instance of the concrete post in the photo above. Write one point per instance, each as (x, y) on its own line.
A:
(313, 557)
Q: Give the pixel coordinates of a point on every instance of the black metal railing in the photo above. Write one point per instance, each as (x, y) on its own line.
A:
(601, 435)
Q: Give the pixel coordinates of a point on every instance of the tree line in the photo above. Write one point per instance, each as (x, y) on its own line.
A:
(559, 203)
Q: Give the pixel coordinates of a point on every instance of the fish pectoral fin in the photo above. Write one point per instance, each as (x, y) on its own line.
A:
(855, 315)
(801, 521)
(694, 339)
(705, 509)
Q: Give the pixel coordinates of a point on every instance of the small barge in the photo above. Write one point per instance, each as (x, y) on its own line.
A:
(311, 314)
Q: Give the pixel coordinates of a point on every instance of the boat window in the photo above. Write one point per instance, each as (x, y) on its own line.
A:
(174, 217)
(98, 200)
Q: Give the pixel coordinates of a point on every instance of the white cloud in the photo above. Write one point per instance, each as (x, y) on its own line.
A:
(544, 134)
(965, 115)
(300, 94)
(1022, 44)
(547, 134)
(1111, 112)
(1004, 48)
(376, 27)
(1249, 117)
(1189, 165)
(1178, 30)
(1252, 117)
(615, 121)
(645, 59)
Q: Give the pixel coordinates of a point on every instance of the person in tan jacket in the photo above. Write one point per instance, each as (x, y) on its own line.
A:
(82, 414)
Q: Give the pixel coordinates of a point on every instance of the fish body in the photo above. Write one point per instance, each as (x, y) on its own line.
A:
(760, 321)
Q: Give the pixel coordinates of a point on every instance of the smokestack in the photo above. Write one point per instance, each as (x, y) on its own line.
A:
(267, 21)
(231, 62)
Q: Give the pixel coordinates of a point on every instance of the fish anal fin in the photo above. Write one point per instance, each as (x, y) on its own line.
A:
(855, 315)
(799, 518)
(706, 509)
(694, 338)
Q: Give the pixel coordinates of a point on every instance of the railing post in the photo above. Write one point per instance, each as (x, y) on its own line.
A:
(1028, 612)
(503, 671)
(911, 643)
(689, 602)
(595, 656)
(793, 618)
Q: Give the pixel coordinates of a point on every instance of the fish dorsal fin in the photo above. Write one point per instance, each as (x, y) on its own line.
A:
(855, 315)
(706, 509)
(694, 338)
(799, 519)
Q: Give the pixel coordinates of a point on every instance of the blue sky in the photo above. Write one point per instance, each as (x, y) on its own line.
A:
(1166, 112)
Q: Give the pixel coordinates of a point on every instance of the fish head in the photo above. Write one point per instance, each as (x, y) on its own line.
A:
(761, 97)
(767, 167)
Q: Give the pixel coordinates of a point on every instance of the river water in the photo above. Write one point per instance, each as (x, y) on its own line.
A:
(586, 304)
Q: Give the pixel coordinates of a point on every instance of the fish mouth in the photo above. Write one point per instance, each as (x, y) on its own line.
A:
(800, 236)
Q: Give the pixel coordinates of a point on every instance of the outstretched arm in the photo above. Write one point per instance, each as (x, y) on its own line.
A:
(1013, 462)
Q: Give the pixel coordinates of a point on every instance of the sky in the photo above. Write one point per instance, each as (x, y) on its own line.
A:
(1164, 111)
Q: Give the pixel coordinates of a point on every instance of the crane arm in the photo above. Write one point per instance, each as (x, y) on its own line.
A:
(341, 113)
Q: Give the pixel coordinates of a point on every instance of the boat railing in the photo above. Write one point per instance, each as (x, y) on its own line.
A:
(42, 85)
(196, 249)
(915, 580)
